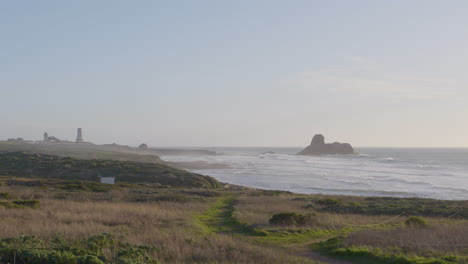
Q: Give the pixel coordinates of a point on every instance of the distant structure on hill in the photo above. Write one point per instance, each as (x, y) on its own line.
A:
(79, 136)
(143, 146)
(108, 180)
(318, 147)
(51, 139)
(16, 140)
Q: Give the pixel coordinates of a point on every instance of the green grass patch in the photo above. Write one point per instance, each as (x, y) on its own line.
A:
(99, 249)
(20, 204)
(370, 255)
(220, 219)
(6, 196)
(298, 236)
(416, 221)
(391, 206)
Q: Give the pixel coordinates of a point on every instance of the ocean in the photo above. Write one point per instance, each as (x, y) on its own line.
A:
(440, 173)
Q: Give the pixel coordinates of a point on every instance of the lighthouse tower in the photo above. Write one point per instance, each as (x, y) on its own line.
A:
(79, 136)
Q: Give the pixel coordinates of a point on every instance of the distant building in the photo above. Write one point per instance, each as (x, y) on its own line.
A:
(79, 136)
(143, 146)
(53, 139)
(108, 180)
(16, 140)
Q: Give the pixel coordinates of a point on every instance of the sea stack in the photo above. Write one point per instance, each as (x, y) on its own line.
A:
(319, 147)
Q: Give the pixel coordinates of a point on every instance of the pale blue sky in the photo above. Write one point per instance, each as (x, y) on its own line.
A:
(236, 73)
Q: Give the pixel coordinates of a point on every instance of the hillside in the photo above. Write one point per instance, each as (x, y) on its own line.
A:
(49, 166)
(111, 152)
(80, 151)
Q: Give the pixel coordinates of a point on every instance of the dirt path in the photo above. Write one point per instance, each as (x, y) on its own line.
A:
(219, 219)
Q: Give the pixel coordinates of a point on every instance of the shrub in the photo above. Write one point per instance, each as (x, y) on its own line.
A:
(89, 259)
(20, 204)
(416, 221)
(329, 202)
(291, 219)
(27, 203)
(6, 204)
(5, 195)
(283, 219)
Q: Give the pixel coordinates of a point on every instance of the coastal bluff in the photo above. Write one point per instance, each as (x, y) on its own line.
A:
(319, 147)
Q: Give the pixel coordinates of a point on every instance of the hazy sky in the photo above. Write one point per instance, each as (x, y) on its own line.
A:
(236, 73)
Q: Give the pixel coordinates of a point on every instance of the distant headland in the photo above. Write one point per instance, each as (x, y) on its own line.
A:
(319, 147)
(82, 149)
(143, 148)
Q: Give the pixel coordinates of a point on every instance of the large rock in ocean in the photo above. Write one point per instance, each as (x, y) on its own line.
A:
(318, 147)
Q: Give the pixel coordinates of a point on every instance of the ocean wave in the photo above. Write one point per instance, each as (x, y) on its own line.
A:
(389, 159)
(385, 174)
(422, 166)
(361, 192)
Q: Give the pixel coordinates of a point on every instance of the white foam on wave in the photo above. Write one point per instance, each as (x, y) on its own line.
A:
(428, 166)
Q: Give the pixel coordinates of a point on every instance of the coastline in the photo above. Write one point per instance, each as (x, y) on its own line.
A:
(426, 173)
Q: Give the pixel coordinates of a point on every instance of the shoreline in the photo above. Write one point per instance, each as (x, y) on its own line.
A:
(432, 175)
(230, 186)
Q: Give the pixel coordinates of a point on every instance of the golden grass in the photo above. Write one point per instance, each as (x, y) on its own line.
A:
(440, 237)
(170, 228)
(167, 226)
(77, 220)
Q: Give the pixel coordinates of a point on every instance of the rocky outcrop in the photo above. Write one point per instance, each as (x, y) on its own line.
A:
(319, 147)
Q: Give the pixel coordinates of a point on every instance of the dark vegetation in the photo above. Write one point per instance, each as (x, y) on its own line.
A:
(292, 219)
(69, 185)
(20, 204)
(416, 221)
(391, 206)
(54, 167)
(98, 249)
(369, 255)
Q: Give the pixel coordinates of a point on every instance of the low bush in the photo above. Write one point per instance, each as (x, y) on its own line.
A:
(6, 196)
(27, 203)
(309, 206)
(416, 221)
(292, 219)
(329, 202)
(20, 204)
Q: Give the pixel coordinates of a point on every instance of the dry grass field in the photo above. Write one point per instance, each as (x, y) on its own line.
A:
(359, 237)
(168, 227)
(257, 210)
(57, 221)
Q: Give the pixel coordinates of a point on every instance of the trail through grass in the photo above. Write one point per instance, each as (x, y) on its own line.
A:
(219, 219)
